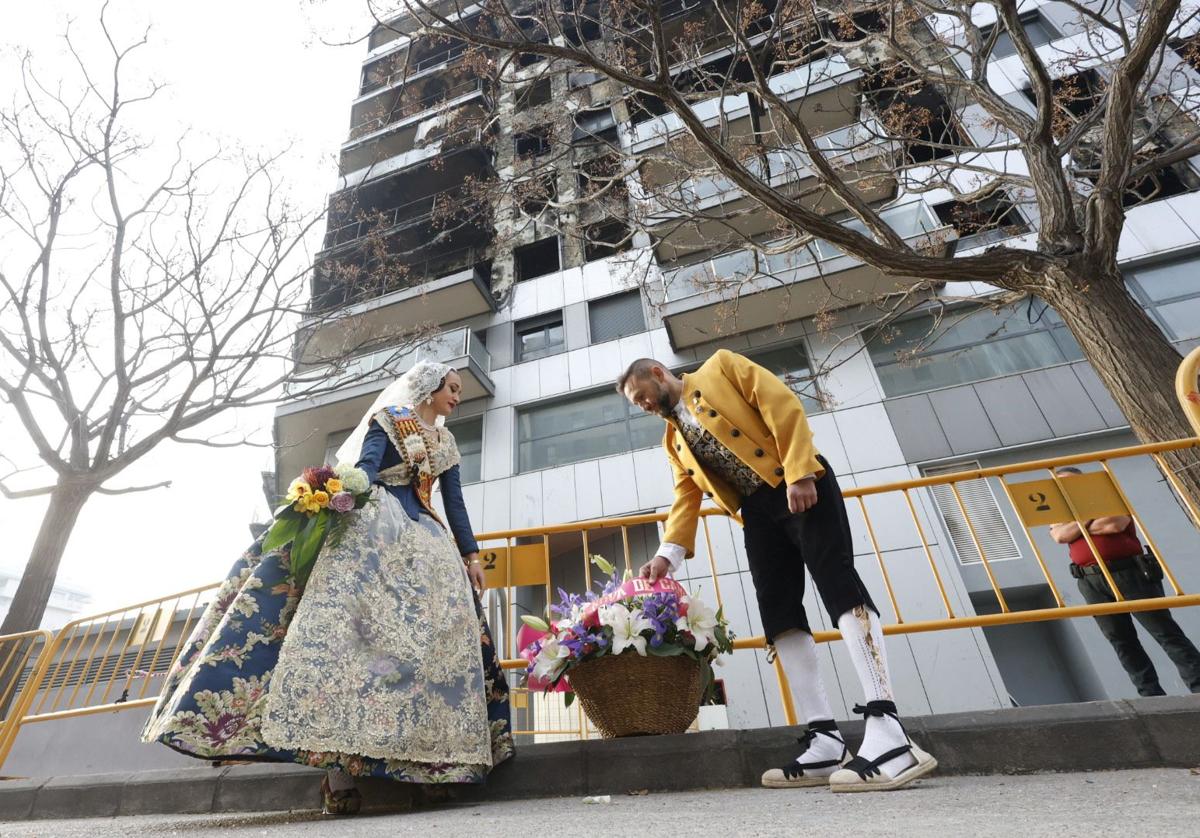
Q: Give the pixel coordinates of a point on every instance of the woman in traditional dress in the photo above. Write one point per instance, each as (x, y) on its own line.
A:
(383, 665)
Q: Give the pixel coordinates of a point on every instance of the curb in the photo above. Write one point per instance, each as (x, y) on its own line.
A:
(1092, 736)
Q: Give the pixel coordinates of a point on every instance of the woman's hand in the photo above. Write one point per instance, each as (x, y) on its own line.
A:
(474, 571)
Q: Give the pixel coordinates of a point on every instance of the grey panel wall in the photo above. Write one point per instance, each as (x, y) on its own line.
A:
(1030, 407)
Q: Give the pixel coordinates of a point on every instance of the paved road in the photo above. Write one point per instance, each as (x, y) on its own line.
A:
(1158, 802)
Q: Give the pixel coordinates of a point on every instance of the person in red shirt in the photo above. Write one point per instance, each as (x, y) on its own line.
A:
(1117, 543)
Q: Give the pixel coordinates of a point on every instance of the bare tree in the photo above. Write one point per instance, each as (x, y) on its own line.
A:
(763, 148)
(144, 292)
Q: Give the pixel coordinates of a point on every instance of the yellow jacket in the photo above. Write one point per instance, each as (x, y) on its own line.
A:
(753, 414)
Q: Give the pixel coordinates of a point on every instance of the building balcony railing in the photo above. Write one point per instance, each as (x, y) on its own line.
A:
(418, 270)
(349, 314)
(813, 86)
(842, 147)
(747, 290)
(908, 220)
(386, 71)
(379, 112)
(302, 424)
(447, 204)
(445, 347)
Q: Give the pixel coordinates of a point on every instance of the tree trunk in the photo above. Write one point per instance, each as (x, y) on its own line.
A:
(29, 603)
(1133, 358)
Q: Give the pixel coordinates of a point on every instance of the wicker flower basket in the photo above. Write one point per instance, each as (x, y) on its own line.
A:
(631, 695)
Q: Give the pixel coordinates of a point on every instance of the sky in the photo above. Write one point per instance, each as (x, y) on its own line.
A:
(260, 74)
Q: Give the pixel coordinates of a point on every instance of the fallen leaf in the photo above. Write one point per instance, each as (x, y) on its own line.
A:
(638, 792)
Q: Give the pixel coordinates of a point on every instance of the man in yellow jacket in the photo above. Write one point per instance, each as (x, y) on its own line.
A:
(738, 434)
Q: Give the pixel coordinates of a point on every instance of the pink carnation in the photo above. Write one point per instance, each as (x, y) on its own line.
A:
(342, 502)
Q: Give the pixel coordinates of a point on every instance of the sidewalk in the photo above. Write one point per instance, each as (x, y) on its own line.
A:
(1094, 736)
(1158, 802)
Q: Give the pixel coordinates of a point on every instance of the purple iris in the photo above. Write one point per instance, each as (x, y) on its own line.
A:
(661, 610)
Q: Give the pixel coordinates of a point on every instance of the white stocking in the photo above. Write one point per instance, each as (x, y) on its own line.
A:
(863, 634)
(798, 653)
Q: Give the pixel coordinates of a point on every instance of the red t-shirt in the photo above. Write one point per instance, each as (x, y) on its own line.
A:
(1112, 546)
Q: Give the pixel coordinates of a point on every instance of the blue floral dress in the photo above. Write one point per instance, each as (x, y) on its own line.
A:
(382, 666)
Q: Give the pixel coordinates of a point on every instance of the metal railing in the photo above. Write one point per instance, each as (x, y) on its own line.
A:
(410, 271)
(856, 142)
(447, 346)
(404, 108)
(100, 664)
(447, 203)
(106, 662)
(911, 220)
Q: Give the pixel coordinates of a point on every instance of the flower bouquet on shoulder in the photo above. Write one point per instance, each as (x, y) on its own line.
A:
(318, 505)
(638, 654)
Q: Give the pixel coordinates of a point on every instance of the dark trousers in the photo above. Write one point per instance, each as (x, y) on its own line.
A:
(780, 545)
(1119, 630)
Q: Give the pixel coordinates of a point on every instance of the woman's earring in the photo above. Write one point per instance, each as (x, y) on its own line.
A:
(429, 400)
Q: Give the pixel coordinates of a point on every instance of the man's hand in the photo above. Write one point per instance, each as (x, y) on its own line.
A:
(802, 495)
(655, 569)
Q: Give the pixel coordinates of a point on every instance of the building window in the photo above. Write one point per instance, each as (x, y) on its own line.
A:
(1075, 98)
(616, 316)
(468, 434)
(644, 107)
(1189, 50)
(1037, 30)
(582, 428)
(792, 366)
(982, 222)
(534, 195)
(529, 144)
(539, 337)
(601, 174)
(332, 443)
(984, 514)
(605, 239)
(595, 126)
(536, 259)
(1170, 293)
(969, 344)
(582, 78)
(917, 114)
(534, 95)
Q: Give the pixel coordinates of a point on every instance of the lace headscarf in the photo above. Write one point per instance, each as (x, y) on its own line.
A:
(409, 390)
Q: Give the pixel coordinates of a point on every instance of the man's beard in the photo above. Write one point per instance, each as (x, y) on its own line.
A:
(666, 406)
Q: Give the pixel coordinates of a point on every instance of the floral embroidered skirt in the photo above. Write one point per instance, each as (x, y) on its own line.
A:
(384, 667)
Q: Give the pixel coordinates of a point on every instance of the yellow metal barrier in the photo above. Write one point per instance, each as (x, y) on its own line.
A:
(22, 659)
(106, 662)
(1035, 503)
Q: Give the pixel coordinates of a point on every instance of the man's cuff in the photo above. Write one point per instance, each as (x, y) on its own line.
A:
(673, 553)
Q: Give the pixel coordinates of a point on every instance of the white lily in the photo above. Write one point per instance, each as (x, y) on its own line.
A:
(550, 660)
(701, 622)
(627, 628)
